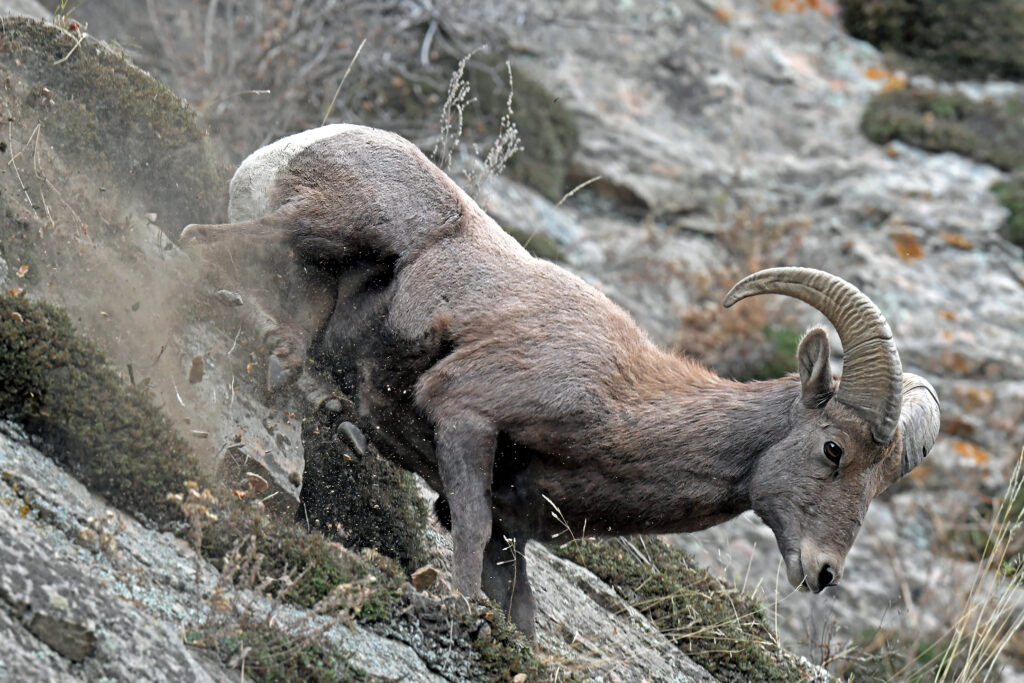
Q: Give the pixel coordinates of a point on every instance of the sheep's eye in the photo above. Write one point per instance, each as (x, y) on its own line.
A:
(833, 451)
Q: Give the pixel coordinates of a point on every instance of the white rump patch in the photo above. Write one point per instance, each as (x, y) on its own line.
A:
(253, 181)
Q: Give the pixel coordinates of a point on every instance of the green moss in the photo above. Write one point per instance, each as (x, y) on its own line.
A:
(112, 436)
(271, 655)
(505, 652)
(117, 442)
(116, 120)
(288, 549)
(780, 360)
(366, 502)
(990, 132)
(952, 38)
(1010, 194)
(719, 628)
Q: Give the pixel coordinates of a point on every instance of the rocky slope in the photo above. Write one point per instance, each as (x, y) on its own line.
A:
(726, 137)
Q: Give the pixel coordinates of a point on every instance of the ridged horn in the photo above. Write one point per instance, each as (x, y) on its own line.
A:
(872, 381)
(919, 421)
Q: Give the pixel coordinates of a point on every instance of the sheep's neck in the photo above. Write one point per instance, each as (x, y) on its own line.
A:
(680, 458)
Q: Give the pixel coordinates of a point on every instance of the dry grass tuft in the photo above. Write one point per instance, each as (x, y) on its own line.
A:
(993, 613)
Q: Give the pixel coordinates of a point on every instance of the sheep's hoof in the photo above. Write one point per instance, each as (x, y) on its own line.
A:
(229, 298)
(355, 437)
(193, 232)
(279, 372)
(276, 373)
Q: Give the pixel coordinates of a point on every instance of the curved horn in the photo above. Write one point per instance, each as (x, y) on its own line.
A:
(919, 421)
(872, 381)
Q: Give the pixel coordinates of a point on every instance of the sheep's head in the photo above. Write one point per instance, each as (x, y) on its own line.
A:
(849, 441)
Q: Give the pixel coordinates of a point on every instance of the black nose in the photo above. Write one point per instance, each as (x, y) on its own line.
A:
(825, 577)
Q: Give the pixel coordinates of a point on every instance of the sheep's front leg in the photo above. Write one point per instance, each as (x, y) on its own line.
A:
(465, 446)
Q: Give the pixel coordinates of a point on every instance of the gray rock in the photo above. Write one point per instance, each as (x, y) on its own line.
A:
(71, 609)
(582, 618)
(24, 8)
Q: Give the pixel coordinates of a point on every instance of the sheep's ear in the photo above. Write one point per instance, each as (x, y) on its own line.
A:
(815, 373)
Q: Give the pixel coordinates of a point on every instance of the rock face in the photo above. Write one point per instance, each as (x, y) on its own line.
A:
(581, 618)
(726, 138)
(78, 608)
(76, 604)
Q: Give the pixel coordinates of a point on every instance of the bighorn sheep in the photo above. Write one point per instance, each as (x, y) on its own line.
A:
(533, 385)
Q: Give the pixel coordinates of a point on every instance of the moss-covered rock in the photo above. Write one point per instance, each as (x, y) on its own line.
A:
(719, 628)
(116, 120)
(111, 435)
(271, 655)
(990, 131)
(953, 38)
(366, 502)
(1010, 194)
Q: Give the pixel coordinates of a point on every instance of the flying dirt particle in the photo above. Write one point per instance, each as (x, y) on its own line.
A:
(195, 373)
(230, 298)
(22, 271)
(424, 577)
(199, 434)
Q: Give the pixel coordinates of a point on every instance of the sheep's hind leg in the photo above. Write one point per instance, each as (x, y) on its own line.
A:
(273, 226)
(267, 261)
(465, 445)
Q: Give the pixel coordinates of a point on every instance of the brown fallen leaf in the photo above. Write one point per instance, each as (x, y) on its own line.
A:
(907, 246)
(957, 240)
(258, 483)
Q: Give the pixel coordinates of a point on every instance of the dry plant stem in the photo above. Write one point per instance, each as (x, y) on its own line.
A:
(74, 47)
(561, 201)
(211, 15)
(10, 137)
(454, 105)
(992, 612)
(506, 144)
(338, 91)
(988, 620)
(39, 175)
(427, 40)
(510, 545)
